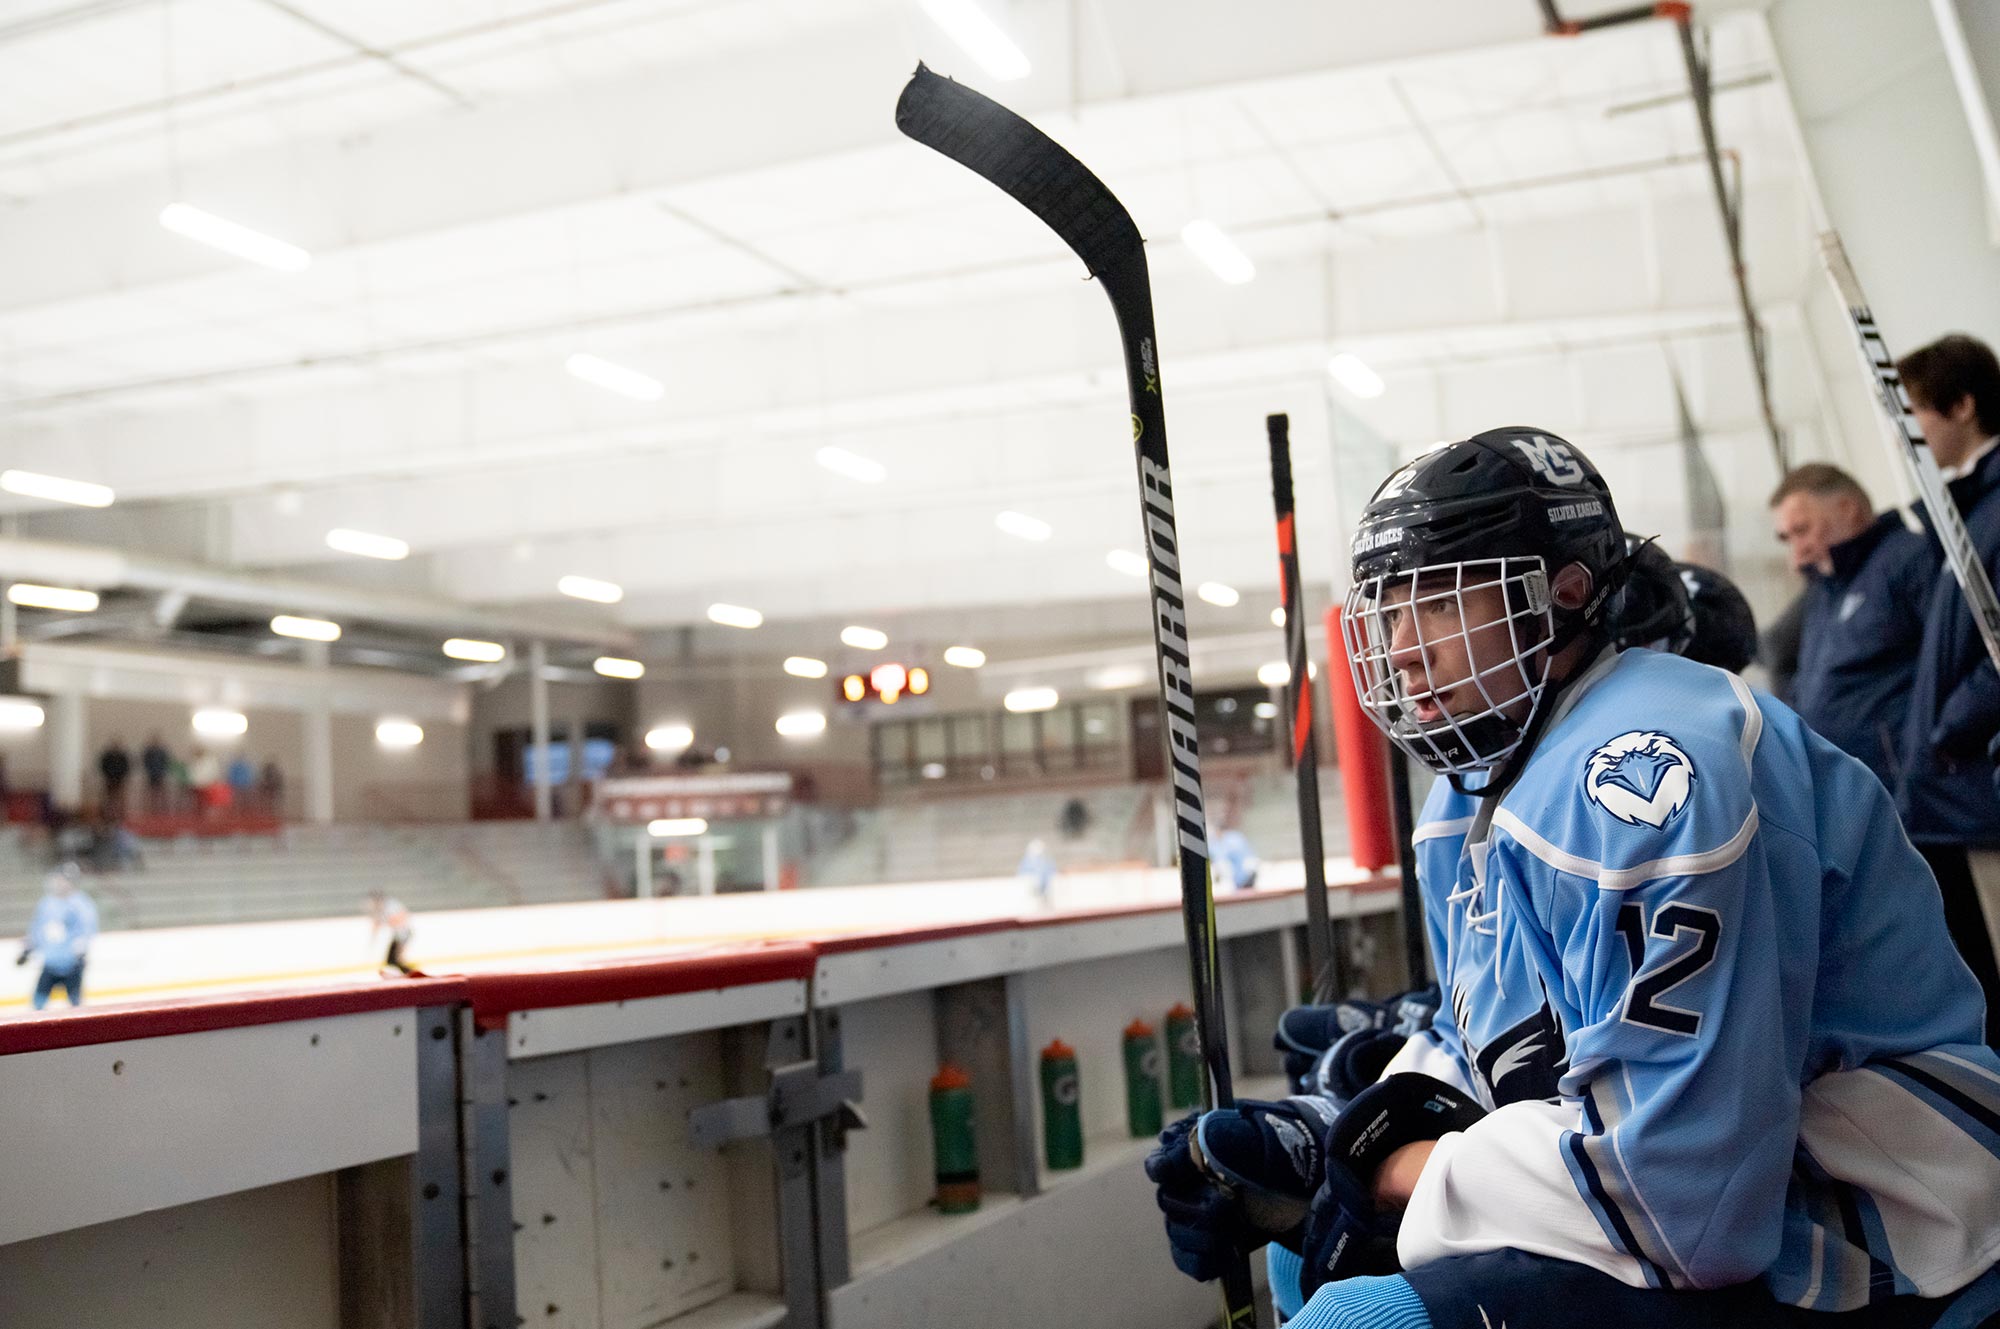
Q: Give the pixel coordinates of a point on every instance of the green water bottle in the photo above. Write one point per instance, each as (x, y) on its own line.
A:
(1183, 1057)
(1142, 1080)
(952, 1142)
(1062, 1115)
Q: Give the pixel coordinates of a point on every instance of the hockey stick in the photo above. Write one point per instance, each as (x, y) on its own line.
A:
(1329, 978)
(1959, 551)
(1039, 174)
(1416, 951)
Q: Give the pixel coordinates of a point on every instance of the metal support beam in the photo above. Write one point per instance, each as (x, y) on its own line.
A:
(538, 720)
(487, 1176)
(316, 721)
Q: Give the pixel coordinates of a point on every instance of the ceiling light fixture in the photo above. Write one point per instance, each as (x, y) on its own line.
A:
(1218, 251)
(233, 238)
(864, 639)
(1278, 617)
(215, 722)
(1353, 374)
(1217, 594)
(590, 588)
(612, 666)
(801, 724)
(602, 373)
(735, 616)
(674, 828)
(670, 738)
(82, 493)
(18, 715)
(979, 37)
(1115, 678)
(1030, 699)
(305, 629)
(52, 597)
(398, 735)
(964, 657)
(481, 652)
(364, 545)
(1127, 562)
(1274, 674)
(804, 666)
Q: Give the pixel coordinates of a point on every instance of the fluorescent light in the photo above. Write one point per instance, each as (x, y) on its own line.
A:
(734, 616)
(671, 828)
(305, 629)
(467, 648)
(602, 373)
(1127, 562)
(979, 37)
(1351, 373)
(590, 588)
(801, 724)
(612, 666)
(669, 738)
(1023, 527)
(965, 657)
(56, 489)
(52, 597)
(18, 715)
(365, 545)
(233, 238)
(804, 666)
(1030, 699)
(1217, 250)
(215, 722)
(1278, 617)
(1217, 594)
(1275, 674)
(1265, 710)
(399, 735)
(934, 770)
(864, 639)
(1113, 678)
(842, 462)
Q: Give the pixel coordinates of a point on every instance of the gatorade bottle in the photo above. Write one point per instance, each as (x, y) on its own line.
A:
(1142, 1080)
(952, 1141)
(1062, 1117)
(1183, 1057)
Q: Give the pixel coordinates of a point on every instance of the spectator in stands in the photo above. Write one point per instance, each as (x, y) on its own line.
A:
(1236, 858)
(1946, 791)
(1038, 868)
(388, 914)
(1868, 577)
(271, 787)
(115, 765)
(1075, 819)
(180, 785)
(211, 791)
(242, 777)
(154, 760)
(64, 925)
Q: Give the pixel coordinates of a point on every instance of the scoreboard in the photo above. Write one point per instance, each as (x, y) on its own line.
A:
(886, 684)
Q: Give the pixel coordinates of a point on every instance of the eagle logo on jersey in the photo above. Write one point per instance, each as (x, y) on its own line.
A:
(1639, 777)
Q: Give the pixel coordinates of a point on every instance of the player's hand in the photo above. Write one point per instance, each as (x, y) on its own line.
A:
(1345, 1235)
(1234, 1178)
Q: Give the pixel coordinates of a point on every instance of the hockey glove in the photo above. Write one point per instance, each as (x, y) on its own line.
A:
(1344, 1236)
(1353, 1063)
(1305, 1032)
(1403, 1109)
(1234, 1178)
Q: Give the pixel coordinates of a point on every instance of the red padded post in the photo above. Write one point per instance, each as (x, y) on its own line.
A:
(1359, 747)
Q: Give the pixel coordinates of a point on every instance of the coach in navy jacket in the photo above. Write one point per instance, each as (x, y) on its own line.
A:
(1858, 643)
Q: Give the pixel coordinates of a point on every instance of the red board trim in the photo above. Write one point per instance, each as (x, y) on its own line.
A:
(496, 996)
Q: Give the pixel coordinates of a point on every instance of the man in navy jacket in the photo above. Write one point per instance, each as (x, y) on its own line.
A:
(1945, 793)
(1868, 580)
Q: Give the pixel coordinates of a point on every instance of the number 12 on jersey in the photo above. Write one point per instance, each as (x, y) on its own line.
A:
(1676, 924)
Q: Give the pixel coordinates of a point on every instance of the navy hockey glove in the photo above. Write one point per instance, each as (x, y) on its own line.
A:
(1345, 1235)
(1234, 1178)
(1353, 1063)
(1305, 1032)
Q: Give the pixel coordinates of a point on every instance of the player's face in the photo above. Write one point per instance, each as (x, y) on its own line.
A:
(1453, 647)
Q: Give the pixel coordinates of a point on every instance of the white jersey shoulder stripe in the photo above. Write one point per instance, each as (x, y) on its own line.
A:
(1625, 879)
(1753, 719)
(1437, 830)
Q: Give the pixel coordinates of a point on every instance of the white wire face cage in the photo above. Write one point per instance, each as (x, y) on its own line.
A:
(1484, 674)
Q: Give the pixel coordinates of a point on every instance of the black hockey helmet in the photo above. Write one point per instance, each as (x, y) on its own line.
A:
(1725, 629)
(1652, 608)
(1511, 507)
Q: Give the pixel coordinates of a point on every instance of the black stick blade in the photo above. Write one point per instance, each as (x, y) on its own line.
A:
(1032, 168)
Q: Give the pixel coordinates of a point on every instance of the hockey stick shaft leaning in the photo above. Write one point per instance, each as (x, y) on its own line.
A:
(1043, 177)
(1322, 955)
(1959, 551)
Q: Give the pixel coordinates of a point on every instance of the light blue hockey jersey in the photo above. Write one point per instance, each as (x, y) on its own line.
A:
(1696, 968)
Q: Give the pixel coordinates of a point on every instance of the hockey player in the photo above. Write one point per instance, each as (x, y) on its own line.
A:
(1705, 1055)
